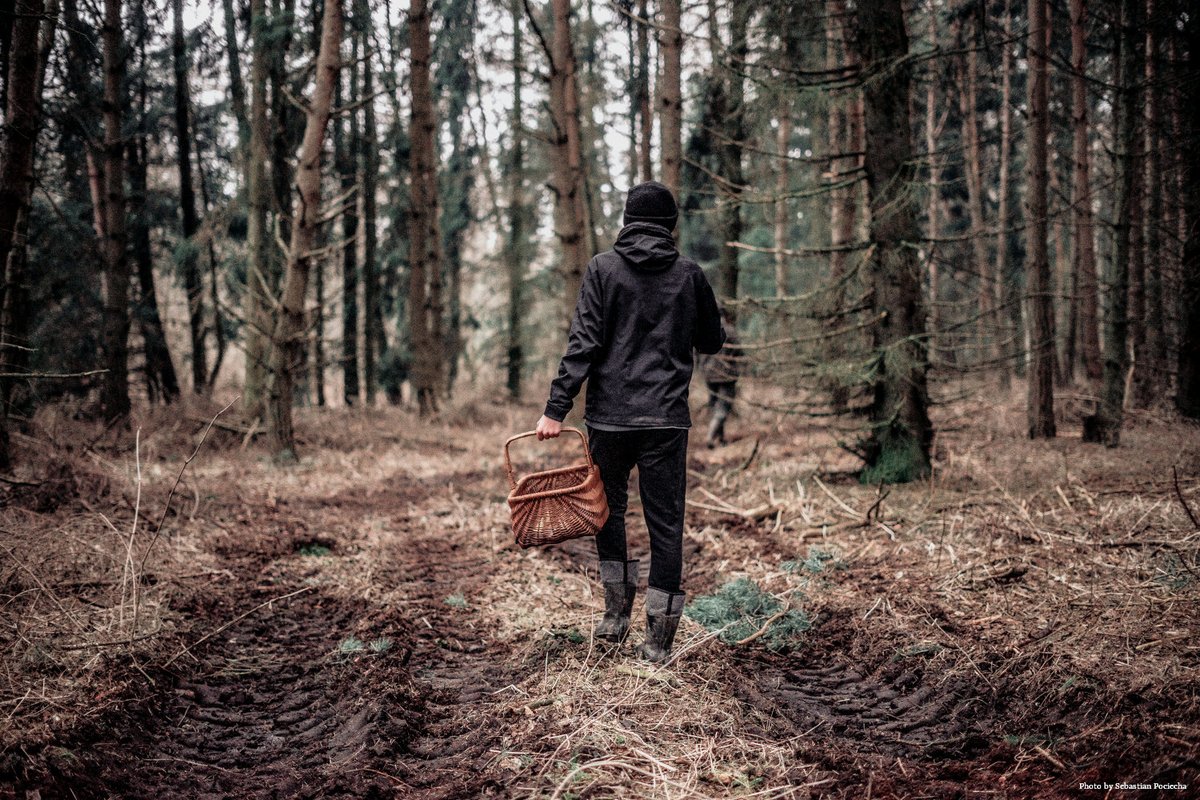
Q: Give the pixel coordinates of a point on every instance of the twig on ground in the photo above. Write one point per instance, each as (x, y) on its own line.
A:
(187, 648)
(770, 621)
(1179, 493)
(178, 478)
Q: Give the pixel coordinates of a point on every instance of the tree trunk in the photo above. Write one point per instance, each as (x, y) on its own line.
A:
(670, 121)
(114, 395)
(258, 241)
(1084, 255)
(732, 178)
(1187, 397)
(287, 351)
(346, 148)
(1040, 403)
(237, 89)
(161, 380)
(934, 210)
(973, 167)
(643, 91)
(370, 161)
(566, 158)
(901, 434)
(782, 214)
(190, 265)
(425, 241)
(1008, 273)
(1106, 427)
(26, 73)
(516, 213)
(1150, 377)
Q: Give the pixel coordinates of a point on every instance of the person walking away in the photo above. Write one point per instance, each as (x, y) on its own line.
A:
(642, 310)
(720, 371)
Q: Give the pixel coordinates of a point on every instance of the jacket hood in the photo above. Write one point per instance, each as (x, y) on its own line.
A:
(646, 246)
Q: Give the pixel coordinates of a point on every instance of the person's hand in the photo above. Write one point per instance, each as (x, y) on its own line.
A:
(548, 428)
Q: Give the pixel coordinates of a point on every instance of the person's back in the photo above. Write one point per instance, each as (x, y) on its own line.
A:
(641, 311)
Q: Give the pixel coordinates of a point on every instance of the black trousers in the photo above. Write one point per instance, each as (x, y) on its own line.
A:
(660, 455)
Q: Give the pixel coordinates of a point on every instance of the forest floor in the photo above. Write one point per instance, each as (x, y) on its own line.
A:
(361, 625)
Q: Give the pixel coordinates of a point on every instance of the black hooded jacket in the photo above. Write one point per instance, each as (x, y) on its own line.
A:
(642, 309)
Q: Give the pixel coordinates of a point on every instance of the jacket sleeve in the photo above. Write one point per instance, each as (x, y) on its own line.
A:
(584, 341)
(709, 336)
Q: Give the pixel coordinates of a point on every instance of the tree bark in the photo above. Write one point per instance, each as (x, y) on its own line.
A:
(258, 241)
(973, 168)
(18, 143)
(732, 177)
(1012, 330)
(1187, 397)
(1084, 254)
(370, 160)
(670, 123)
(1040, 401)
(643, 91)
(901, 435)
(782, 214)
(1106, 427)
(934, 209)
(425, 241)
(114, 394)
(237, 88)
(346, 148)
(571, 216)
(1150, 377)
(287, 351)
(190, 265)
(516, 213)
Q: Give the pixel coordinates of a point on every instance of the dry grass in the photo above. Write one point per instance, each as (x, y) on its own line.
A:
(1060, 573)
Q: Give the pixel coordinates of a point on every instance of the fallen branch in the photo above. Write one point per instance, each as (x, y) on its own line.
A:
(778, 615)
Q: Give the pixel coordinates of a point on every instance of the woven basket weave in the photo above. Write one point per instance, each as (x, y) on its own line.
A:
(558, 504)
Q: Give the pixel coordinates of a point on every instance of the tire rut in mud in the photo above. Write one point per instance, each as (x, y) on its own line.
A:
(456, 668)
(274, 709)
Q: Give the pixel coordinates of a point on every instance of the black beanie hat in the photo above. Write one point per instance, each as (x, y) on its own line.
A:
(651, 202)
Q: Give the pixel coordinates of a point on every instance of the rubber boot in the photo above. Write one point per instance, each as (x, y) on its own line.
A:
(620, 586)
(663, 610)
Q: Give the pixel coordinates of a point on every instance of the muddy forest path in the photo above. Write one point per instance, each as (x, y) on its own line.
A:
(362, 626)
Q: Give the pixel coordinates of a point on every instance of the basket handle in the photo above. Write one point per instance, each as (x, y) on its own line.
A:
(512, 481)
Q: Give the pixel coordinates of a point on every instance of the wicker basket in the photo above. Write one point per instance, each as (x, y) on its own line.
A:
(558, 504)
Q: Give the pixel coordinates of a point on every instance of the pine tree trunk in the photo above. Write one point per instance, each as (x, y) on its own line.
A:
(114, 394)
(346, 164)
(1150, 376)
(425, 241)
(190, 267)
(161, 381)
(1040, 403)
(732, 177)
(237, 89)
(671, 96)
(287, 351)
(571, 216)
(27, 58)
(782, 214)
(258, 239)
(370, 161)
(901, 434)
(973, 167)
(934, 209)
(516, 213)
(643, 91)
(1012, 329)
(1106, 427)
(1084, 255)
(1187, 397)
